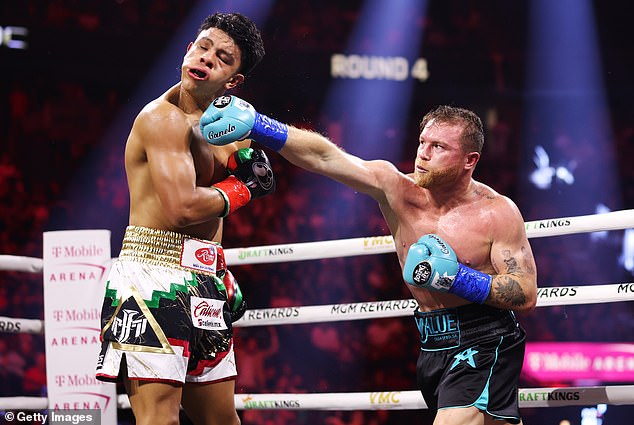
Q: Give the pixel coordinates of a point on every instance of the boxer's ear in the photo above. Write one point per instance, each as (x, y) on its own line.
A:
(234, 81)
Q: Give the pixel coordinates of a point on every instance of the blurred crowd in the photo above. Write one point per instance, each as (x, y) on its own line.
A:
(52, 132)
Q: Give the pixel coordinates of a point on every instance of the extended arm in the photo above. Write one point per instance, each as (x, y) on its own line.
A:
(230, 118)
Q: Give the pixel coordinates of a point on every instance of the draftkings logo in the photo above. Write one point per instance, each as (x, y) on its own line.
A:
(251, 403)
(544, 395)
(244, 254)
(547, 224)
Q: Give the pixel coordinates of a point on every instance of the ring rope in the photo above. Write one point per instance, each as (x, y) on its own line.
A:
(546, 297)
(530, 397)
(383, 400)
(615, 220)
(16, 263)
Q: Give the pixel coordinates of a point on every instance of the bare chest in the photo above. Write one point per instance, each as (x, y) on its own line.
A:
(465, 228)
(209, 162)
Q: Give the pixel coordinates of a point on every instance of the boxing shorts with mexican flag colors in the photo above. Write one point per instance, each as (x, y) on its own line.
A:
(165, 311)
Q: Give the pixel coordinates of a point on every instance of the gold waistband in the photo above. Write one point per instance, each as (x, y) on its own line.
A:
(159, 247)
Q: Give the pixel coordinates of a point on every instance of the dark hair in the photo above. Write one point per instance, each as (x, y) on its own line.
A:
(245, 34)
(472, 132)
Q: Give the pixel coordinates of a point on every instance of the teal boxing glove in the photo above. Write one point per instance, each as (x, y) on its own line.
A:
(230, 118)
(432, 264)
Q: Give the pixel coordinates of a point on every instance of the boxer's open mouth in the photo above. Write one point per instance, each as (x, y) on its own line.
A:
(197, 73)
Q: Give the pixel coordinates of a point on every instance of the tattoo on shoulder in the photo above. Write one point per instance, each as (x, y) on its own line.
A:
(483, 193)
(509, 291)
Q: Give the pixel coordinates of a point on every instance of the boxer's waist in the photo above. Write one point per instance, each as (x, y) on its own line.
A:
(449, 328)
(171, 249)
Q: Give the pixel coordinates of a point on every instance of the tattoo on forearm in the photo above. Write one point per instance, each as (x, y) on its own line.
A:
(509, 291)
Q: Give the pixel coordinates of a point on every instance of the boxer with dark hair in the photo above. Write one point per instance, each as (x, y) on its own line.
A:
(170, 301)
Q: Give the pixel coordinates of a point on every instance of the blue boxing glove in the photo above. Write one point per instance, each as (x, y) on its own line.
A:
(230, 118)
(432, 264)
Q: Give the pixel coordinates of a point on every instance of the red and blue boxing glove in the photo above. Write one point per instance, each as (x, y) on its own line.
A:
(230, 118)
(432, 264)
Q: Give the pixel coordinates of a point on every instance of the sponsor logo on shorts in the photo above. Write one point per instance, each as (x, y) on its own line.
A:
(465, 356)
(199, 255)
(439, 330)
(208, 313)
(131, 324)
(206, 255)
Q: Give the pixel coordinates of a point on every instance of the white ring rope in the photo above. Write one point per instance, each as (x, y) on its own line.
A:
(384, 400)
(546, 297)
(549, 296)
(528, 397)
(615, 220)
(15, 263)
